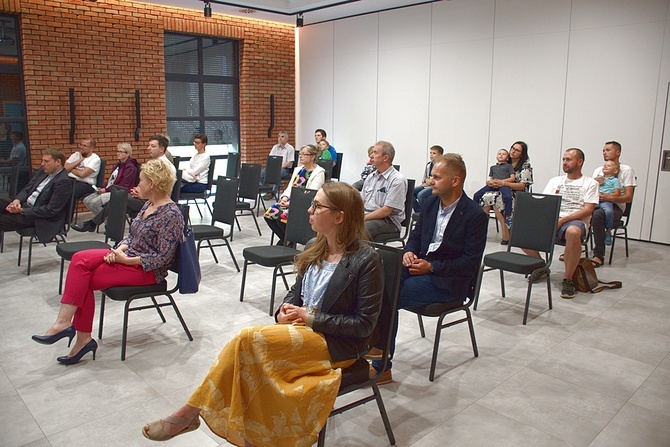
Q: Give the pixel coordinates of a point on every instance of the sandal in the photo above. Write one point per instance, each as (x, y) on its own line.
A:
(159, 430)
(561, 258)
(597, 262)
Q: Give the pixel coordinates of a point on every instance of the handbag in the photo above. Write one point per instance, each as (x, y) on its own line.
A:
(189, 262)
(586, 280)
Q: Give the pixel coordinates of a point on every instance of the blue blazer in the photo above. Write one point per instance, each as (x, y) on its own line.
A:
(456, 261)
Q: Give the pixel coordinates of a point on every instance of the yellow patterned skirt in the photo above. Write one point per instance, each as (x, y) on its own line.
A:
(271, 385)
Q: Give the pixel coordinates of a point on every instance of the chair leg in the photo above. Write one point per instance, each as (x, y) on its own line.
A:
(502, 283)
(244, 277)
(436, 347)
(30, 255)
(232, 255)
(2, 241)
(274, 288)
(625, 238)
(60, 281)
(102, 315)
(158, 309)
(256, 222)
(239, 228)
(525, 312)
(20, 250)
(382, 413)
(124, 337)
(549, 290)
(208, 207)
(471, 326)
(181, 319)
(421, 328)
(478, 285)
(211, 248)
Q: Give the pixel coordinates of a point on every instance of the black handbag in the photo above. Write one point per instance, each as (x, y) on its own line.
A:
(189, 263)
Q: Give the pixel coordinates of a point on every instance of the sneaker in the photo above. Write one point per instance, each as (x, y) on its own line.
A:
(504, 242)
(567, 289)
(608, 239)
(539, 277)
(508, 222)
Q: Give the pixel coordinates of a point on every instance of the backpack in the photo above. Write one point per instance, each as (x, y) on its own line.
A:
(586, 280)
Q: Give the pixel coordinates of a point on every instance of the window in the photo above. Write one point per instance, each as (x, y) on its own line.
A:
(202, 93)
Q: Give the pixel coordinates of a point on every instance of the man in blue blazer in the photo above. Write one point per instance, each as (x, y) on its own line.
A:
(444, 251)
(43, 203)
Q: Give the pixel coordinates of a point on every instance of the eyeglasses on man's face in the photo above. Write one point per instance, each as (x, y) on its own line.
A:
(316, 206)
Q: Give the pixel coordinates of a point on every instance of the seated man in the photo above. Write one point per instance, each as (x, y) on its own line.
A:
(579, 198)
(444, 250)
(384, 193)
(626, 176)
(19, 151)
(43, 203)
(287, 152)
(157, 147)
(83, 165)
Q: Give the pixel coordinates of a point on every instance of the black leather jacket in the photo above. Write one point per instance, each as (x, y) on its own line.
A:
(351, 304)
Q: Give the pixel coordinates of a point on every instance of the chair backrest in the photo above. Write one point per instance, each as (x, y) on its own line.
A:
(116, 216)
(298, 229)
(296, 157)
(176, 159)
(224, 201)
(397, 167)
(391, 258)
(13, 166)
(70, 208)
(210, 173)
(535, 220)
(409, 197)
(233, 166)
(100, 178)
(250, 175)
(626, 210)
(328, 166)
(338, 167)
(273, 169)
(176, 188)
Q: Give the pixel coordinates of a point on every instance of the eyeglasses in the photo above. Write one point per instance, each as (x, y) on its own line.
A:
(303, 154)
(121, 152)
(316, 206)
(197, 142)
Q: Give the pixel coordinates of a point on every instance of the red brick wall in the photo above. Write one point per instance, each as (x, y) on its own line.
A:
(106, 50)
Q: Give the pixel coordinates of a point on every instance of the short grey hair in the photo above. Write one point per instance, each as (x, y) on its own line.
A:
(387, 149)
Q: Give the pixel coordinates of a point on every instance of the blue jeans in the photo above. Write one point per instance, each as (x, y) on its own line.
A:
(608, 209)
(193, 187)
(285, 173)
(421, 193)
(415, 291)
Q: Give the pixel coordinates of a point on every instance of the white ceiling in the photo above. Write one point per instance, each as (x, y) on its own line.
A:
(284, 11)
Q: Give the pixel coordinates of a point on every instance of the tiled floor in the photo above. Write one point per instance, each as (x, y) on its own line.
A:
(594, 371)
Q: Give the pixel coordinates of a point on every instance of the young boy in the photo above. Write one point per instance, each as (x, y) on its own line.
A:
(424, 190)
(500, 173)
(611, 185)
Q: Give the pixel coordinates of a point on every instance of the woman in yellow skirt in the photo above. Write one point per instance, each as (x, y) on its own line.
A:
(276, 385)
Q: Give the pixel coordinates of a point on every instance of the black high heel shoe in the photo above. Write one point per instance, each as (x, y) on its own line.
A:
(91, 346)
(51, 339)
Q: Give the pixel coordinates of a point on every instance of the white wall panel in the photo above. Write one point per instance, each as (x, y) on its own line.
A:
(527, 100)
(403, 105)
(460, 92)
(604, 13)
(462, 20)
(523, 17)
(405, 28)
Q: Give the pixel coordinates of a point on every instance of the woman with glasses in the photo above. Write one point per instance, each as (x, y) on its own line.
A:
(194, 179)
(125, 173)
(276, 385)
(523, 179)
(307, 175)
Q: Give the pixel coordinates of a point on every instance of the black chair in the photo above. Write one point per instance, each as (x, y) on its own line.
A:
(338, 167)
(176, 160)
(32, 236)
(621, 224)
(298, 231)
(385, 238)
(533, 228)
(99, 183)
(175, 195)
(296, 159)
(224, 212)
(10, 172)
(397, 167)
(195, 196)
(128, 294)
(441, 310)
(115, 229)
(250, 176)
(233, 165)
(327, 165)
(357, 376)
(272, 178)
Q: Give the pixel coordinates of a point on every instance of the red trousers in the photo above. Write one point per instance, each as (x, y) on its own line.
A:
(89, 272)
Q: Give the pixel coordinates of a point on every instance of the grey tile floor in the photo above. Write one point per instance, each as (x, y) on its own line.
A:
(594, 371)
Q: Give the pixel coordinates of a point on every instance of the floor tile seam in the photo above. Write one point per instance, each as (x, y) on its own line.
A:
(658, 367)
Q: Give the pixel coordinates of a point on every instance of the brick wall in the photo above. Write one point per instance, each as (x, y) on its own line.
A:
(106, 50)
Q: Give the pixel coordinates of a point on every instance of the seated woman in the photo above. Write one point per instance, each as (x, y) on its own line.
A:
(519, 160)
(143, 258)
(307, 175)
(289, 373)
(124, 174)
(194, 179)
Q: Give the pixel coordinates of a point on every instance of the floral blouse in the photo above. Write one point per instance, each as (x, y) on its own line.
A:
(155, 239)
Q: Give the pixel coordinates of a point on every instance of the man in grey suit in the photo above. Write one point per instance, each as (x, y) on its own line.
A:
(44, 203)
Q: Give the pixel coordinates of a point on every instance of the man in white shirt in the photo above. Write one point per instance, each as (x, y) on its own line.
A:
(83, 165)
(579, 198)
(287, 152)
(626, 176)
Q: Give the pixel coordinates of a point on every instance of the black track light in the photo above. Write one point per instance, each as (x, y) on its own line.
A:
(208, 10)
(298, 20)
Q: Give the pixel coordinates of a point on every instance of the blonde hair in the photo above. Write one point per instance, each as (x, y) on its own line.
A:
(161, 174)
(125, 147)
(351, 232)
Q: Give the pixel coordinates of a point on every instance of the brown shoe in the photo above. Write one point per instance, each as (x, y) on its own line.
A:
(374, 354)
(384, 378)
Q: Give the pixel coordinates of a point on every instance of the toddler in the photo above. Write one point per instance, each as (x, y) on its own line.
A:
(611, 185)
(500, 173)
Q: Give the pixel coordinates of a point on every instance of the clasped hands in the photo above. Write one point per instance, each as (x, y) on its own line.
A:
(291, 314)
(116, 255)
(14, 207)
(415, 265)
